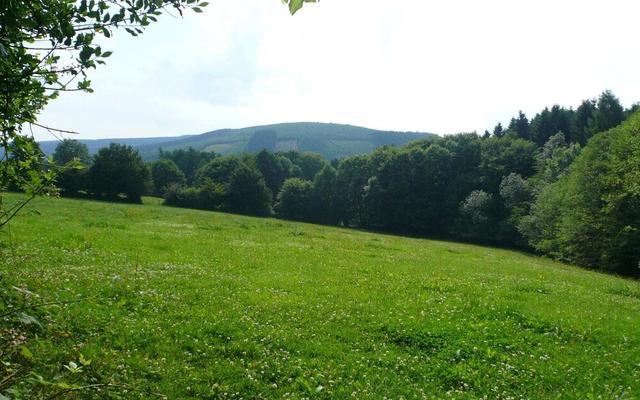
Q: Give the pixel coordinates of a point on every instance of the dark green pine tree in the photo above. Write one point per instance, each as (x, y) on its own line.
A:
(498, 131)
(520, 126)
(584, 121)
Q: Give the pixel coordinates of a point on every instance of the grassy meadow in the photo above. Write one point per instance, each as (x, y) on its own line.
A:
(194, 304)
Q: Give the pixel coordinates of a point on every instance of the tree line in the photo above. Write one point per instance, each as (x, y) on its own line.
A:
(565, 184)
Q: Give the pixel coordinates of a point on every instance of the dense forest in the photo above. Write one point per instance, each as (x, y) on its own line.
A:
(565, 184)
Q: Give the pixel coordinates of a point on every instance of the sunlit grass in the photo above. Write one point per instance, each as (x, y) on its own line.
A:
(205, 305)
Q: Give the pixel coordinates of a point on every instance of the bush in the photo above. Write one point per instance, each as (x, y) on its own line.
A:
(209, 196)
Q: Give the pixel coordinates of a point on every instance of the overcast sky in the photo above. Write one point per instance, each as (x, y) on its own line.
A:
(415, 65)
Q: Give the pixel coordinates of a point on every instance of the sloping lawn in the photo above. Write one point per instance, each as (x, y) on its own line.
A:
(193, 304)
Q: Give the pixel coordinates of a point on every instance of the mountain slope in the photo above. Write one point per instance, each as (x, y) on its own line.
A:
(49, 146)
(330, 140)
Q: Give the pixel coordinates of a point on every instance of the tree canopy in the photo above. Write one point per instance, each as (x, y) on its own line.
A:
(166, 173)
(119, 170)
(591, 216)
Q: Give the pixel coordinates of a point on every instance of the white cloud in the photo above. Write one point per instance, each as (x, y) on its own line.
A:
(412, 65)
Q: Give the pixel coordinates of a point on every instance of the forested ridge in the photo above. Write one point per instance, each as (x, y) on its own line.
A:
(564, 183)
(329, 140)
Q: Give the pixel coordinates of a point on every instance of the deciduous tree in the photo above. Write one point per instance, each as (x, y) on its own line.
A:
(165, 173)
(294, 200)
(119, 170)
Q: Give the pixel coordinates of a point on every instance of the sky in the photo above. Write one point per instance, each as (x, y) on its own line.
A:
(413, 65)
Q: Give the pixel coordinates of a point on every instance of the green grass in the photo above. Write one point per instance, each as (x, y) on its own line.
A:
(205, 305)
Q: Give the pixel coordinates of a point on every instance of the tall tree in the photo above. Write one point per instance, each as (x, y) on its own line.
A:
(542, 127)
(498, 130)
(165, 173)
(549, 122)
(324, 196)
(188, 160)
(294, 200)
(563, 120)
(609, 112)
(119, 170)
(247, 192)
(554, 159)
(353, 175)
(478, 215)
(502, 156)
(70, 149)
(585, 121)
(218, 170)
(274, 168)
(75, 155)
(520, 126)
(309, 163)
(591, 216)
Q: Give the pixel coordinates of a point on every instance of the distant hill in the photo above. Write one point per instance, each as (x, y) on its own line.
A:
(330, 140)
(49, 146)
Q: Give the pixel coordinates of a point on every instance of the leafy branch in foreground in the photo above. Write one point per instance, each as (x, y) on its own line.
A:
(46, 47)
(296, 5)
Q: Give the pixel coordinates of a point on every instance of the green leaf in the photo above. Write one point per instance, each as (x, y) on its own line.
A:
(73, 367)
(26, 353)
(85, 53)
(116, 18)
(25, 318)
(84, 361)
(197, 9)
(295, 5)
